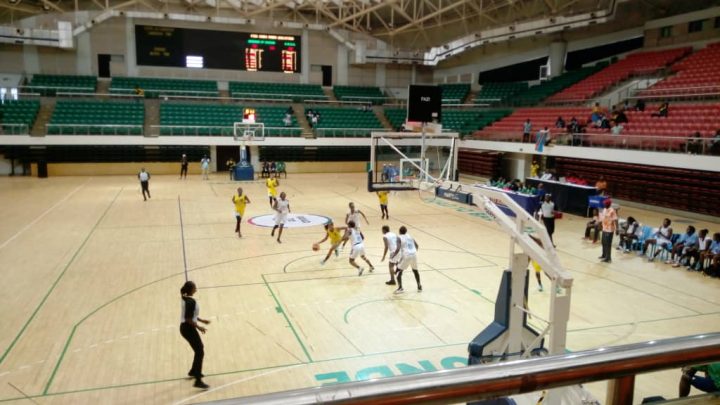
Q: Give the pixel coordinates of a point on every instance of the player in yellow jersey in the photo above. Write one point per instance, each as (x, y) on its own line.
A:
(383, 197)
(336, 234)
(240, 200)
(272, 183)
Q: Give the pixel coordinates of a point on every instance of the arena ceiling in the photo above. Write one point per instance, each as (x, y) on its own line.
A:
(408, 24)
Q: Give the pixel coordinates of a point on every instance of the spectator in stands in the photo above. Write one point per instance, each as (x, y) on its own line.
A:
(595, 113)
(287, 121)
(290, 111)
(694, 143)
(547, 212)
(662, 110)
(314, 120)
(715, 144)
(609, 220)
(534, 168)
(620, 117)
(686, 241)
(709, 383)
(527, 128)
(603, 122)
(640, 105)
(601, 185)
(629, 234)
(616, 129)
(139, 93)
(593, 225)
(280, 168)
(661, 239)
(559, 122)
(273, 169)
(265, 169)
(573, 127)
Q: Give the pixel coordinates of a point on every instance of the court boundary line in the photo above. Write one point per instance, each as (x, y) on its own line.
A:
(59, 277)
(41, 216)
(182, 238)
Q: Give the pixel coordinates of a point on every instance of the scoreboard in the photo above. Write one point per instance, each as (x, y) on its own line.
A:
(191, 48)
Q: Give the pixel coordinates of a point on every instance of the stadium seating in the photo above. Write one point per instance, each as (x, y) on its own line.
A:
(396, 117)
(545, 89)
(635, 64)
(18, 116)
(218, 119)
(496, 93)
(346, 122)
(698, 74)
(171, 87)
(97, 118)
(49, 85)
(455, 93)
(277, 91)
(461, 121)
(359, 93)
(683, 120)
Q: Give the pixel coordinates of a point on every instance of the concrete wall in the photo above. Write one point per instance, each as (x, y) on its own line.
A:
(679, 26)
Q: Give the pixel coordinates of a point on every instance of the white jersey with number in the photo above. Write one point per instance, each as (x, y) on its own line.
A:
(283, 207)
(391, 239)
(407, 243)
(355, 217)
(358, 248)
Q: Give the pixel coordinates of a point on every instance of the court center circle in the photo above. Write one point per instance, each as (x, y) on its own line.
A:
(293, 220)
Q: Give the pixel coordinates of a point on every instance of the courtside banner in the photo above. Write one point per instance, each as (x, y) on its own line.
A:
(459, 196)
(293, 220)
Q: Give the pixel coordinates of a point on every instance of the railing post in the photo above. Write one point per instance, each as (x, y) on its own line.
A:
(620, 391)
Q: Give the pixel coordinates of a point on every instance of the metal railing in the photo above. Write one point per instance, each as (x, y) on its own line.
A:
(655, 143)
(619, 363)
(93, 129)
(347, 132)
(217, 130)
(14, 129)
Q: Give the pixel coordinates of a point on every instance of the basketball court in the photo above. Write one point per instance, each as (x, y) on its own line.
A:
(92, 278)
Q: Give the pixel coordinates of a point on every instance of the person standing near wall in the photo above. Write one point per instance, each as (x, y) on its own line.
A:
(183, 166)
(205, 166)
(609, 220)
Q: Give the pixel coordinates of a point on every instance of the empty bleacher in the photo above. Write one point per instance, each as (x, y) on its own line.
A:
(455, 93)
(96, 118)
(479, 162)
(277, 91)
(498, 93)
(50, 85)
(366, 94)
(535, 94)
(153, 88)
(18, 116)
(698, 74)
(640, 63)
(454, 120)
(218, 119)
(682, 189)
(346, 122)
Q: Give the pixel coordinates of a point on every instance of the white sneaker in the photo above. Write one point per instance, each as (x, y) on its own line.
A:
(322, 262)
(399, 291)
(360, 272)
(668, 261)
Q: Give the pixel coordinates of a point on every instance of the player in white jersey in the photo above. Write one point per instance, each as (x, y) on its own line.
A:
(390, 241)
(358, 248)
(282, 206)
(409, 249)
(354, 215)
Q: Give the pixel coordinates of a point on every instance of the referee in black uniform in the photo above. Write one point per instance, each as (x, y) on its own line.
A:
(189, 330)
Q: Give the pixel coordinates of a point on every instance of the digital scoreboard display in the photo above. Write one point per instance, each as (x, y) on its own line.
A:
(190, 48)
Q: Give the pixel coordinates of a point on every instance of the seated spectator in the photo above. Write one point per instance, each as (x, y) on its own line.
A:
(593, 225)
(694, 143)
(629, 233)
(709, 383)
(616, 129)
(640, 105)
(265, 170)
(573, 127)
(273, 169)
(314, 120)
(604, 122)
(662, 110)
(694, 252)
(661, 239)
(515, 185)
(620, 118)
(601, 185)
(290, 111)
(715, 144)
(686, 241)
(280, 168)
(712, 254)
(287, 121)
(560, 122)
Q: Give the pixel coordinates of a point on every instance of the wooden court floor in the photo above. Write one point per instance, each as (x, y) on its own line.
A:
(91, 277)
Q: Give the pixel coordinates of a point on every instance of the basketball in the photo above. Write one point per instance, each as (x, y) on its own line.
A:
(315, 247)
